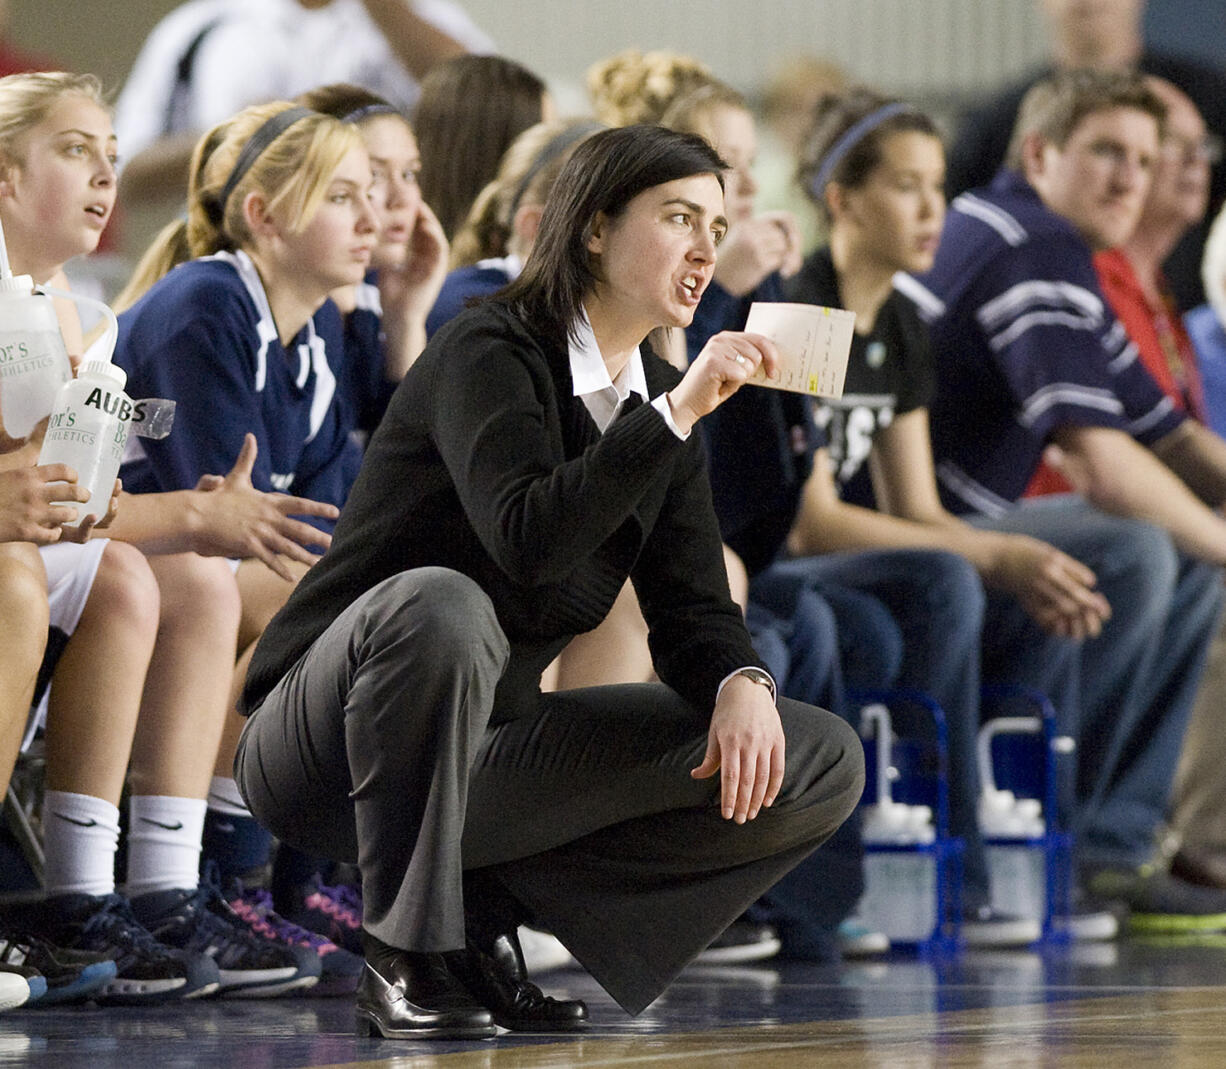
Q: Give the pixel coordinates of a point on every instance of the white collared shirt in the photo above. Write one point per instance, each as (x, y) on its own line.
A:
(602, 396)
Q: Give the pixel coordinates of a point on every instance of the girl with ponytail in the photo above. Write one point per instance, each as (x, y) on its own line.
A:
(144, 644)
(228, 314)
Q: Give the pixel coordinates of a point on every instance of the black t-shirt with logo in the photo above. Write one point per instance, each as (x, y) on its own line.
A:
(889, 373)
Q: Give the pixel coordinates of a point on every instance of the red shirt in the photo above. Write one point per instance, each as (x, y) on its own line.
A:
(1157, 331)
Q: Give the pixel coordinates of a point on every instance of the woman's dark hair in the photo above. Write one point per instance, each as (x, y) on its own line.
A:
(526, 175)
(826, 157)
(349, 103)
(604, 174)
(471, 109)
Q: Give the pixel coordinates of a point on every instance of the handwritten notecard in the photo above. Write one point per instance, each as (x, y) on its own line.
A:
(813, 344)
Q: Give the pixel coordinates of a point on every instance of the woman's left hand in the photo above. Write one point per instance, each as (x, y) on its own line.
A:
(746, 745)
(410, 290)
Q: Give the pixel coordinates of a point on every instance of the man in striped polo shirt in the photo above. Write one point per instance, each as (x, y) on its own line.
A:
(1031, 361)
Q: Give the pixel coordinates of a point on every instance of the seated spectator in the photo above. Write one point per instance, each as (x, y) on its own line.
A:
(875, 170)
(170, 615)
(637, 87)
(489, 250)
(244, 340)
(1031, 356)
(386, 313)
(1106, 35)
(1134, 282)
(786, 108)
(28, 517)
(1132, 277)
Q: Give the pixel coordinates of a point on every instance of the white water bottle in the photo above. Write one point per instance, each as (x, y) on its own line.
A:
(33, 363)
(88, 431)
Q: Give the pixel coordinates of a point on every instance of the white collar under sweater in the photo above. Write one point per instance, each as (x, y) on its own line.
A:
(602, 396)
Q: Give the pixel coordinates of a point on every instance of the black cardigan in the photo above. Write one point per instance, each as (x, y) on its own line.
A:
(486, 463)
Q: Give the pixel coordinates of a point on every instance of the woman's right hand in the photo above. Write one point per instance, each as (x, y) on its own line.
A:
(722, 367)
(26, 510)
(236, 520)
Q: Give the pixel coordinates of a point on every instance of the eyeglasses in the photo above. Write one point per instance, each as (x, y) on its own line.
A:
(1187, 151)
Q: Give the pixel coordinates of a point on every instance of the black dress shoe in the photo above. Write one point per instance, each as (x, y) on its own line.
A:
(497, 978)
(421, 1000)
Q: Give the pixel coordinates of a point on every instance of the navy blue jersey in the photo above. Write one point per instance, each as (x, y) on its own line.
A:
(204, 336)
(362, 385)
(463, 285)
(889, 373)
(1025, 344)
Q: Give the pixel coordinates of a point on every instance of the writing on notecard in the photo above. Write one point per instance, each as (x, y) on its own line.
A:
(813, 344)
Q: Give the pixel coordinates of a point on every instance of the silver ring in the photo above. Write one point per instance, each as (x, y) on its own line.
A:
(740, 360)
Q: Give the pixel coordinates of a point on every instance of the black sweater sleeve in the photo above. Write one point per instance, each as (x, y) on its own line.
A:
(697, 633)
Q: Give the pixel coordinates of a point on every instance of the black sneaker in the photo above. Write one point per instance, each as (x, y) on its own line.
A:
(202, 922)
(146, 971)
(339, 970)
(741, 941)
(1158, 902)
(70, 974)
(334, 912)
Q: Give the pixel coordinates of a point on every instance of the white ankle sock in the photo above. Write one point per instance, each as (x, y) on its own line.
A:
(224, 798)
(163, 843)
(80, 836)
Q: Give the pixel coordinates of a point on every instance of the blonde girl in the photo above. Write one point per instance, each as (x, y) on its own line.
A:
(57, 190)
(243, 337)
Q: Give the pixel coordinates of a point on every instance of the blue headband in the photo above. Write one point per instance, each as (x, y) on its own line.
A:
(850, 139)
(552, 149)
(369, 110)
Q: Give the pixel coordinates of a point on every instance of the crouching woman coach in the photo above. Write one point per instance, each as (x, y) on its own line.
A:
(536, 455)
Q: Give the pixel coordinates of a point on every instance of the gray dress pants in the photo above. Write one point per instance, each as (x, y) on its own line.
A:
(377, 747)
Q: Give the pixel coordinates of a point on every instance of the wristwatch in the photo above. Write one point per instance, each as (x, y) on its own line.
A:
(758, 675)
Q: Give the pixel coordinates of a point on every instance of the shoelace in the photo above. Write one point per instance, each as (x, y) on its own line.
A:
(212, 909)
(15, 951)
(115, 922)
(344, 900)
(255, 908)
(221, 913)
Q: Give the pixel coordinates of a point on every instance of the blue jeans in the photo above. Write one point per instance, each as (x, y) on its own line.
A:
(910, 618)
(1138, 679)
(796, 634)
